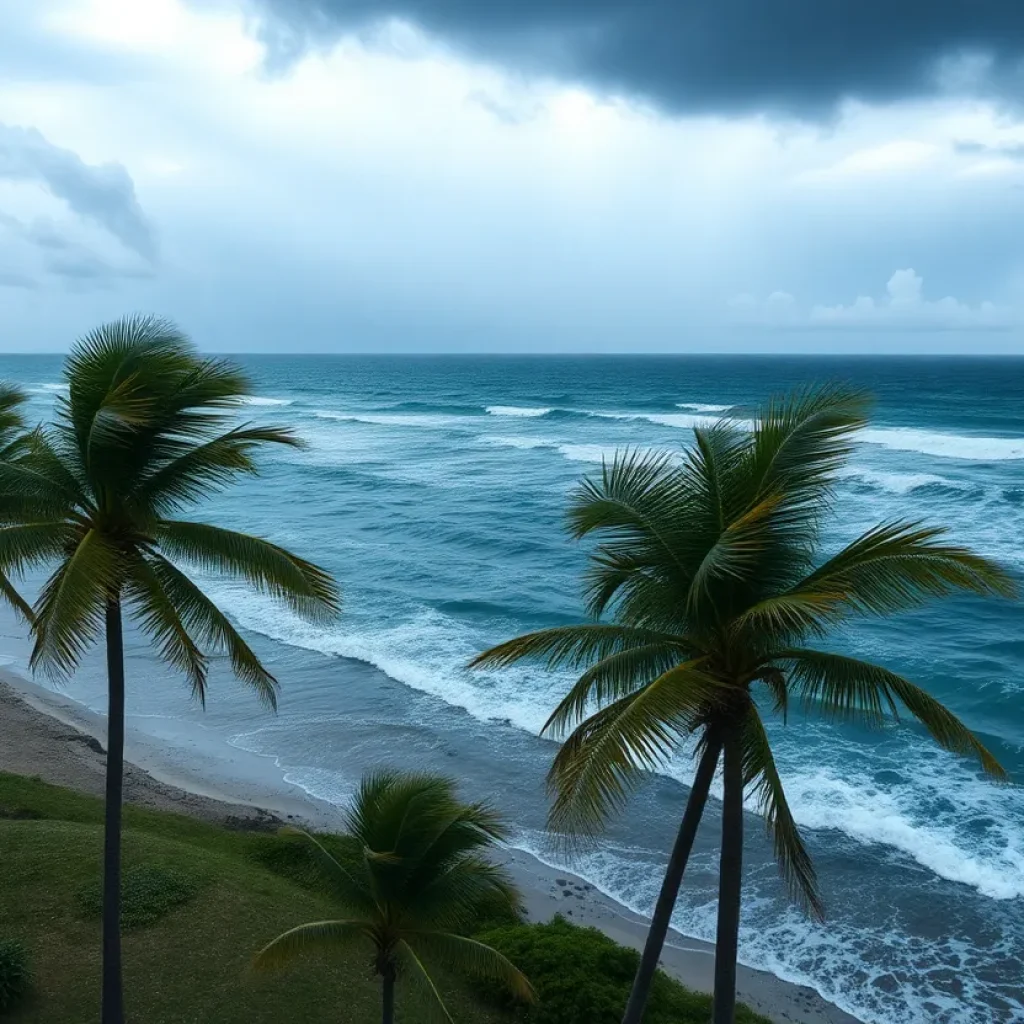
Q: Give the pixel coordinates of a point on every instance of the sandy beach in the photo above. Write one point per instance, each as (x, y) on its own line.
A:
(50, 736)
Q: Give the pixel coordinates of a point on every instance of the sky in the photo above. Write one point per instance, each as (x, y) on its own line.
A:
(516, 175)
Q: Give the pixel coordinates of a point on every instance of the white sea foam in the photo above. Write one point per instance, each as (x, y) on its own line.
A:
(945, 446)
(902, 815)
(935, 443)
(517, 410)
(677, 420)
(47, 388)
(429, 651)
(702, 407)
(500, 441)
(587, 452)
(898, 483)
(427, 422)
(262, 400)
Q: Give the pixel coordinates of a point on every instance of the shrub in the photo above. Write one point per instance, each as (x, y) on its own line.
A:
(583, 977)
(148, 893)
(15, 975)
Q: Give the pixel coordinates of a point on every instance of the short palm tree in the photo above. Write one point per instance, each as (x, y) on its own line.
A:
(414, 878)
(711, 566)
(143, 435)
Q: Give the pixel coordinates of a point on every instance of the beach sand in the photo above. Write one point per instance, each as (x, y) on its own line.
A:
(46, 735)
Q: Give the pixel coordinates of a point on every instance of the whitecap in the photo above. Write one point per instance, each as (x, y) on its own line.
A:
(516, 410)
(516, 442)
(967, 447)
(702, 407)
(261, 400)
(389, 420)
(587, 452)
(898, 483)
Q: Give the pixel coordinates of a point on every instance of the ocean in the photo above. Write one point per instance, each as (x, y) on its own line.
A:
(435, 488)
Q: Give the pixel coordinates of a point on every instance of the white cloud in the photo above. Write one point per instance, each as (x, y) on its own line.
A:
(897, 157)
(401, 197)
(903, 307)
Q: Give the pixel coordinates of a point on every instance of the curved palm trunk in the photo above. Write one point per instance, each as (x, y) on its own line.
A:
(113, 1006)
(729, 883)
(670, 885)
(389, 994)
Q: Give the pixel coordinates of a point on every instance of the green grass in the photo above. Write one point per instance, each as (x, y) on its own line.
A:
(191, 965)
(204, 899)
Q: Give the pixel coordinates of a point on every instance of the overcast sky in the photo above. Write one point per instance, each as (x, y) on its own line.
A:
(516, 175)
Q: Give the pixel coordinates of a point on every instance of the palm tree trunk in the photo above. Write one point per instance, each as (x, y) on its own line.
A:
(113, 1005)
(729, 884)
(670, 885)
(389, 994)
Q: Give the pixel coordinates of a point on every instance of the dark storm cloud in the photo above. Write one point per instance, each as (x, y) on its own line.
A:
(102, 194)
(795, 56)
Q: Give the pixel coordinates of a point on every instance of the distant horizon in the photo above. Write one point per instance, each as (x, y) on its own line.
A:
(356, 354)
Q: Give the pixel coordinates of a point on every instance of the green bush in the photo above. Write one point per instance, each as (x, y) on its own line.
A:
(148, 893)
(15, 975)
(583, 977)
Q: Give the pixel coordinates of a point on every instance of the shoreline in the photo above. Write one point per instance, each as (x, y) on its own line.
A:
(52, 737)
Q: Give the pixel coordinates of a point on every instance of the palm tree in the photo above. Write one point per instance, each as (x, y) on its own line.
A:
(13, 445)
(414, 878)
(712, 568)
(143, 435)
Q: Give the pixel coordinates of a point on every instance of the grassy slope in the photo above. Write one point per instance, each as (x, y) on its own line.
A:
(192, 966)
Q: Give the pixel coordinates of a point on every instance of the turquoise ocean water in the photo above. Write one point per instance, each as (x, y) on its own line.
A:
(435, 488)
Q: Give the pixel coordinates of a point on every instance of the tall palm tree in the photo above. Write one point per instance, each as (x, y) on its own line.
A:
(414, 879)
(712, 569)
(14, 442)
(143, 435)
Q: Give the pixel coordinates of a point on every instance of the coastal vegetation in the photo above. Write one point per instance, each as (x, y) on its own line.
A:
(414, 883)
(712, 572)
(102, 497)
(193, 962)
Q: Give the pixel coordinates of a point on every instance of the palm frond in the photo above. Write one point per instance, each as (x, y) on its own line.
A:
(415, 971)
(900, 565)
(38, 484)
(9, 593)
(573, 646)
(212, 628)
(209, 466)
(734, 553)
(12, 418)
(614, 676)
(604, 759)
(306, 588)
(847, 687)
(472, 957)
(637, 501)
(28, 545)
(448, 891)
(161, 621)
(761, 775)
(310, 938)
(348, 886)
(800, 440)
(72, 604)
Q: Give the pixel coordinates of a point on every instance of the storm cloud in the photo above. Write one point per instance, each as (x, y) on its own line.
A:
(799, 57)
(104, 195)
